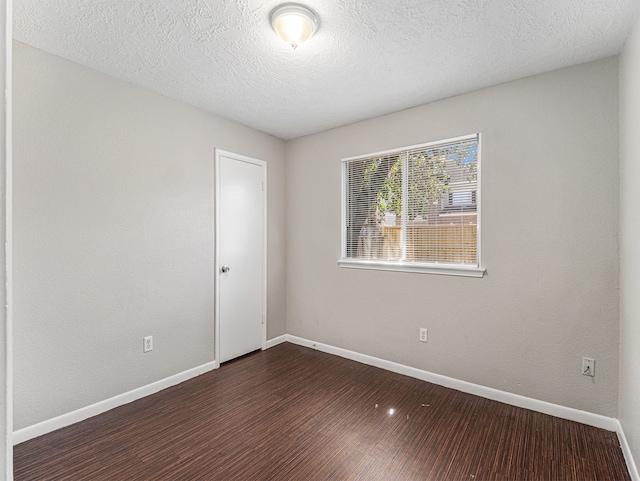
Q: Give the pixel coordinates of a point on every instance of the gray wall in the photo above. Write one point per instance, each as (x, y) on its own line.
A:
(113, 228)
(6, 375)
(549, 243)
(629, 413)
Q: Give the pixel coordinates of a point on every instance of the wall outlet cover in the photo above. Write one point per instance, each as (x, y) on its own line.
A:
(147, 344)
(588, 366)
(423, 334)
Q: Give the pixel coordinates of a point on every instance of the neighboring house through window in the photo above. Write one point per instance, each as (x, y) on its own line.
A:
(415, 209)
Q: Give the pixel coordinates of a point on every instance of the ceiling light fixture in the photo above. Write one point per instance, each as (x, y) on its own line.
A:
(294, 23)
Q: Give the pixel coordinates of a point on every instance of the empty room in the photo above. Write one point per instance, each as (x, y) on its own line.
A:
(382, 240)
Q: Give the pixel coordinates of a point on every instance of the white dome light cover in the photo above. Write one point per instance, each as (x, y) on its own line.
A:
(294, 23)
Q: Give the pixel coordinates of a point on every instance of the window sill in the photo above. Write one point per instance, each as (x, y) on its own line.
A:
(441, 269)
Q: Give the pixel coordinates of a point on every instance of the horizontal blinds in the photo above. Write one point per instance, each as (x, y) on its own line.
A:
(368, 206)
(414, 205)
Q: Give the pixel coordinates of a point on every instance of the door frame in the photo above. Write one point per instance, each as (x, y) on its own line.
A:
(217, 236)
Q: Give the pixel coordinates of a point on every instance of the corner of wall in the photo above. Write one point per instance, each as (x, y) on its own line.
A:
(629, 117)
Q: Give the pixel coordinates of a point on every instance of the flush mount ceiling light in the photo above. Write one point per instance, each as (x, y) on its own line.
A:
(294, 23)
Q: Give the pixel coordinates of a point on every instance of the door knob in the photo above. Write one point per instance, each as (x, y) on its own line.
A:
(225, 269)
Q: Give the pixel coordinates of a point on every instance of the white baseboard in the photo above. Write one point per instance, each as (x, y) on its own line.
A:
(81, 414)
(584, 417)
(628, 457)
(563, 412)
(571, 414)
(275, 341)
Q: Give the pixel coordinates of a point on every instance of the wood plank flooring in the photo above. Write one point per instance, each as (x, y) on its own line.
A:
(291, 413)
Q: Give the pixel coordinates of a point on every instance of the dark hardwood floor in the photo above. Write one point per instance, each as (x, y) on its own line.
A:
(291, 413)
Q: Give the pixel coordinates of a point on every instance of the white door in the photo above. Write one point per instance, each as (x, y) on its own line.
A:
(240, 255)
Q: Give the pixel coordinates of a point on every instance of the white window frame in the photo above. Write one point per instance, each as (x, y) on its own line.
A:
(452, 269)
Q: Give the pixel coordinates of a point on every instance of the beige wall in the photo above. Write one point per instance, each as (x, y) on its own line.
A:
(629, 412)
(113, 224)
(549, 243)
(6, 375)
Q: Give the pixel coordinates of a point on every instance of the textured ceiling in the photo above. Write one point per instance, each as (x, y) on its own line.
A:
(370, 57)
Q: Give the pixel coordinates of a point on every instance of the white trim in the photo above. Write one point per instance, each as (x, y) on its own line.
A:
(453, 140)
(596, 420)
(265, 224)
(81, 414)
(217, 265)
(404, 170)
(479, 203)
(343, 212)
(6, 465)
(571, 414)
(216, 257)
(447, 270)
(626, 451)
(474, 270)
(275, 341)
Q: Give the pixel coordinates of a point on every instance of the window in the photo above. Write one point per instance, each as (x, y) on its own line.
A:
(415, 209)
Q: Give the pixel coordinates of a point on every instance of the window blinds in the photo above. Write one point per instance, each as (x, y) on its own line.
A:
(416, 205)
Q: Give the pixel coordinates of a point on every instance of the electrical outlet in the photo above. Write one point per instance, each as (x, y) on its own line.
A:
(588, 366)
(147, 344)
(423, 334)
